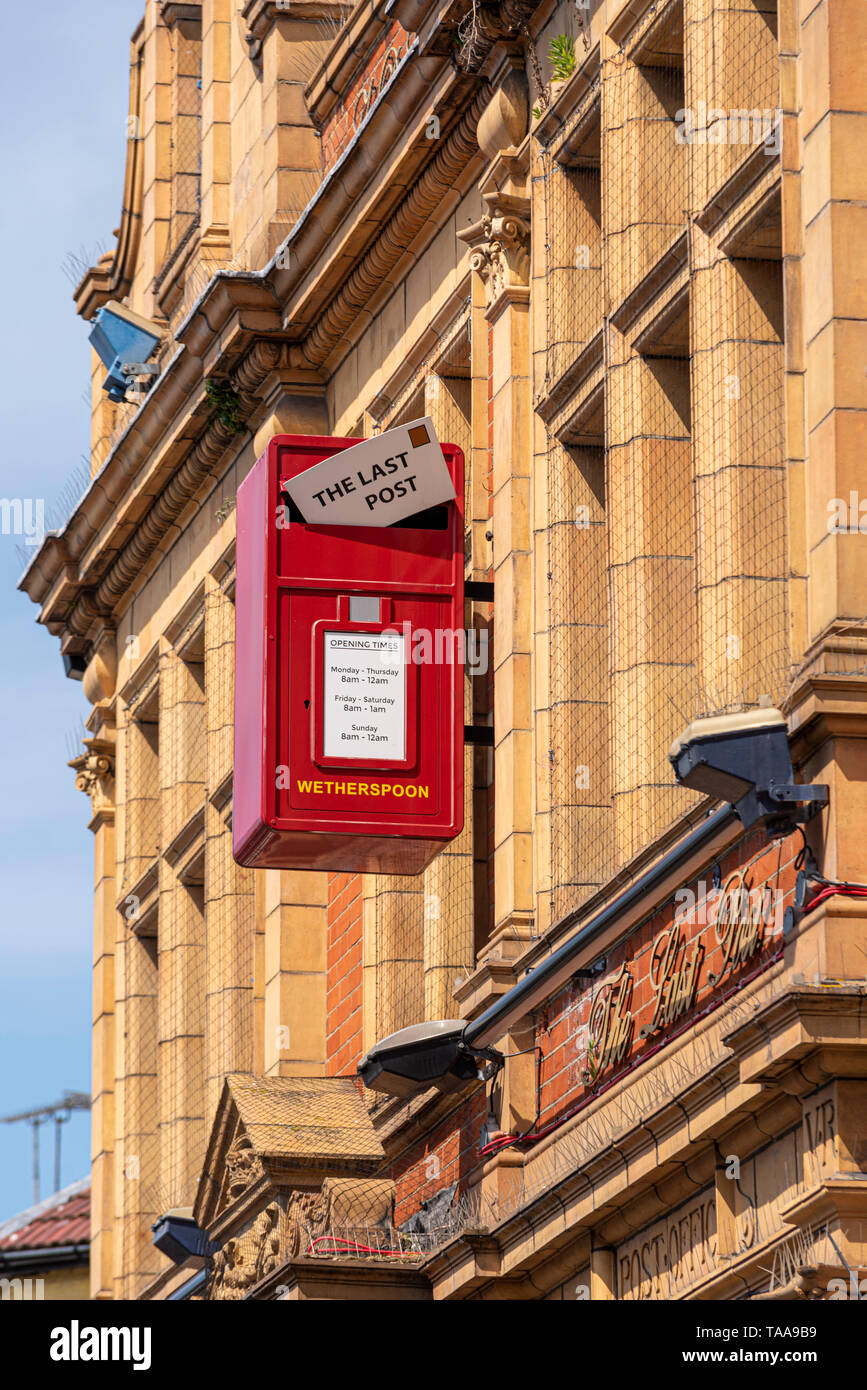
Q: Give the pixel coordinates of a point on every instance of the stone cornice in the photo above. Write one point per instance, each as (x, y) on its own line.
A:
(618, 1189)
(181, 12)
(408, 220)
(817, 1029)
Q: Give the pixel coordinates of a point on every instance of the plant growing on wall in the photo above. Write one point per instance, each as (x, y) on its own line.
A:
(561, 55)
(561, 52)
(226, 403)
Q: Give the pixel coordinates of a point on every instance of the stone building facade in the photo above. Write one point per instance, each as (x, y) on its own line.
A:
(628, 286)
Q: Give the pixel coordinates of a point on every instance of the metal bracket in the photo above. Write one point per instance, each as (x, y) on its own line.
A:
(482, 735)
(479, 589)
(794, 792)
(592, 972)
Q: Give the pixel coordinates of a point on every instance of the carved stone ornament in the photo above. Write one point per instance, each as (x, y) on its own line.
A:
(290, 1160)
(243, 1167)
(249, 1257)
(94, 774)
(500, 245)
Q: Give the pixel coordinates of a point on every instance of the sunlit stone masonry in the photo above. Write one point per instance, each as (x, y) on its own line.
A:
(626, 285)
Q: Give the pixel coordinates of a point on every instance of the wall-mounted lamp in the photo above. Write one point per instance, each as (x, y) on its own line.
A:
(427, 1054)
(744, 759)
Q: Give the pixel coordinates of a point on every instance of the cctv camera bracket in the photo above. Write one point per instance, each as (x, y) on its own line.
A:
(591, 972)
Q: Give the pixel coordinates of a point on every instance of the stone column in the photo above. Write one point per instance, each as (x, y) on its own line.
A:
(832, 304)
(740, 476)
(448, 933)
(292, 151)
(500, 245)
(156, 133)
(296, 925)
(824, 227)
(215, 176)
(138, 1195)
(229, 899)
(737, 367)
(94, 771)
(181, 935)
(396, 924)
(732, 65)
(648, 459)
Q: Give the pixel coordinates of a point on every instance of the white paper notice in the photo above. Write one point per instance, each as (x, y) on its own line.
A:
(376, 483)
(365, 696)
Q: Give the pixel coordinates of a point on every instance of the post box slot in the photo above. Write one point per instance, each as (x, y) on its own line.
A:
(431, 519)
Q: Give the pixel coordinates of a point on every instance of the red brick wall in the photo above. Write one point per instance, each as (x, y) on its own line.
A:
(561, 1026)
(343, 1040)
(450, 1152)
(362, 93)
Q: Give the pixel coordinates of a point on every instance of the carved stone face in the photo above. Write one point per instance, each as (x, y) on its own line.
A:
(242, 1166)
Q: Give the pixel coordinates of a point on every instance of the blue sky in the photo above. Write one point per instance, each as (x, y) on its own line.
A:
(64, 105)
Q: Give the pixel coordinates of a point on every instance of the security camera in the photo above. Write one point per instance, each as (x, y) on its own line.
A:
(124, 341)
(743, 758)
(426, 1054)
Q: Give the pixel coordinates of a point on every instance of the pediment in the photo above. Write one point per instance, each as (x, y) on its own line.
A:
(282, 1133)
(290, 1160)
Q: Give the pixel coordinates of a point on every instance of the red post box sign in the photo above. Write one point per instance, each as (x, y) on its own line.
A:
(348, 677)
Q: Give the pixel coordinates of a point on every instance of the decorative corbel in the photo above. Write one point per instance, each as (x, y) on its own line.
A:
(500, 246)
(94, 774)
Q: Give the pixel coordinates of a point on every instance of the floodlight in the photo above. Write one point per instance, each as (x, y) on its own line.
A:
(743, 758)
(177, 1236)
(123, 339)
(74, 665)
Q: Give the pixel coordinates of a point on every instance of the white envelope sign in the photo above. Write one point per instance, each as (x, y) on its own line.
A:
(376, 483)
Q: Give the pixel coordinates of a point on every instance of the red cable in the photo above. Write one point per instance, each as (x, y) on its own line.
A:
(832, 889)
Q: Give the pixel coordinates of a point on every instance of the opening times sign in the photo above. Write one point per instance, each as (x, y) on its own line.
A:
(364, 696)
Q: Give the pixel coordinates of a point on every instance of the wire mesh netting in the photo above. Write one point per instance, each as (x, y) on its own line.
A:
(425, 925)
(186, 141)
(187, 929)
(665, 596)
(661, 385)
